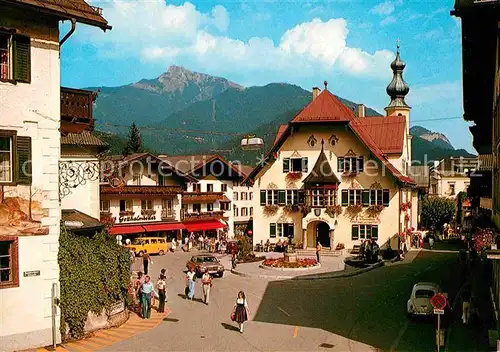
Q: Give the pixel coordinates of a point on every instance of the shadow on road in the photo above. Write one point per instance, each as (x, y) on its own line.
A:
(230, 327)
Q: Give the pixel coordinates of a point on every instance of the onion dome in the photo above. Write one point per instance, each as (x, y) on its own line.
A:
(398, 88)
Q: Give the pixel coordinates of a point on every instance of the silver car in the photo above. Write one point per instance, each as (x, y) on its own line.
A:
(206, 263)
(420, 299)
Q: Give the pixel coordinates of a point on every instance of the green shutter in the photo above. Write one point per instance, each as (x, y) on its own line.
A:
(304, 165)
(345, 198)
(22, 58)
(281, 197)
(262, 197)
(272, 230)
(291, 232)
(355, 232)
(286, 165)
(340, 164)
(375, 232)
(302, 197)
(386, 196)
(23, 153)
(366, 197)
(361, 164)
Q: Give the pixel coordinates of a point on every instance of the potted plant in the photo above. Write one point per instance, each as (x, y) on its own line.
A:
(291, 208)
(333, 210)
(374, 210)
(270, 210)
(290, 254)
(126, 213)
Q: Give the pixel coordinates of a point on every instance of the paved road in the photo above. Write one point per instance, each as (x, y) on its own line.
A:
(365, 312)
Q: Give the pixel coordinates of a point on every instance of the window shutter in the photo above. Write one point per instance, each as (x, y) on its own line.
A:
(22, 58)
(304, 164)
(361, 164)
(366, 197)
(355, 232)
(345, 198)
(281, 197)
(272, 230)
(340, 164)
(291, 232)
(386, 196)
(302, 197)
(375, 232)
(23, 153)
(286, 165)
(262, 197)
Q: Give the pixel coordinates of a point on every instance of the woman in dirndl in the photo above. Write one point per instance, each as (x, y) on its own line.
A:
(240, 311)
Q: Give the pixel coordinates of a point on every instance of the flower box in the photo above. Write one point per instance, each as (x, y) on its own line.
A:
(126, 213)
(333, 211)
(291, 208)
(270, 210)
(353, 209)
(293, 176)
(281, 263)
(148, 212)
(374, 210)
(405, 206)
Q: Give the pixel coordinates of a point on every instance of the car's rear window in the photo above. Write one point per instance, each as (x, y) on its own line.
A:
(209, 259)
(424, 294)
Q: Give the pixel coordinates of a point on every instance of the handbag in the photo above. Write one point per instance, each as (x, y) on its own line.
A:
(233, 316)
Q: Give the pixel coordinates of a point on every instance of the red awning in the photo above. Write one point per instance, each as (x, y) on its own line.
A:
(204, 225)
(164, 227)
(124, 230)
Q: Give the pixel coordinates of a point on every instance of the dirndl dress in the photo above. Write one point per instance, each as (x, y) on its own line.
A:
(240, 313)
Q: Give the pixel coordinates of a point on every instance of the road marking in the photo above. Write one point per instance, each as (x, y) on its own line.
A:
(295, 331)
(283, 311)
(400, 335)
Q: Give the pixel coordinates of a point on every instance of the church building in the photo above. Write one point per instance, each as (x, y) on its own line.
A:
(338, 177)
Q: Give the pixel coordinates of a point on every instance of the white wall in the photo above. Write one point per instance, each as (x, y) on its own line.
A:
(34, 110)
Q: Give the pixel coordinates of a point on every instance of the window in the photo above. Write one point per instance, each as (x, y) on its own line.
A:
(15, 158)
(363, 232)
(210, 207)
(6, 159)
(365, 197)
(167, 207)
(224, 187)
(125, 205)
(105, 206)
(196, 187)
(15, 58)
(136, 179)
(281, 230)
(210, 187)
(251, 211)
(243, 195)
(196, 208)
(225, 206)
(146, 204)
(9, 266)
(235, 211)
(451, 188)
(281, 197)
(235, 195)
(244, 211)
(250, 195)
(295, 165)
(322, 197)
(154, 241)
(350, 164)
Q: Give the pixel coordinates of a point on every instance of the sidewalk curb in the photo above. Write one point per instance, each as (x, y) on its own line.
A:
(332, 275)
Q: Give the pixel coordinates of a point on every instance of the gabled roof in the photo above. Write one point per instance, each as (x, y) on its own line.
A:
(77, 221)
(388, 132)
(322, 171)
(327, 108)
(85, 138)
(66, 10)
(189, 164)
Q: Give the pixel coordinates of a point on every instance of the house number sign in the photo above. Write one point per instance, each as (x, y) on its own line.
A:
(31, 273)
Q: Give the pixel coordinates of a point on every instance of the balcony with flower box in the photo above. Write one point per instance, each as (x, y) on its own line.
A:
(167, 215)
(202, 197)
(148, 212)
(204, 215)
(139, 191)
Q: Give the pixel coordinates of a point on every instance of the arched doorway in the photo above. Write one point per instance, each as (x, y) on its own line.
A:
(323, 233)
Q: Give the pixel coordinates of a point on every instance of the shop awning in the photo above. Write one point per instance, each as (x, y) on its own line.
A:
(164, 227)
(125, 230)
(204, 225)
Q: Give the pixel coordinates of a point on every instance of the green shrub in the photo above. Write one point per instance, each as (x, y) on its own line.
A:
(94, 273)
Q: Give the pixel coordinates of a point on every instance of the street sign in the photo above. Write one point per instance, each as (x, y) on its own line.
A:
(438, 311)
(438, 301)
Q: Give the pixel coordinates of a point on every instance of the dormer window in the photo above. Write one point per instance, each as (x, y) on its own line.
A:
(350, 164)
(295, 165)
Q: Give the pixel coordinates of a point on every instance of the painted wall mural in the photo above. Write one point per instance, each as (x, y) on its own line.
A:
(21, 211)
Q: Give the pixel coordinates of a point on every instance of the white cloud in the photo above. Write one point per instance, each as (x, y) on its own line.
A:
(387, 21)
(446, 91)
(384, 8)
(159, 32)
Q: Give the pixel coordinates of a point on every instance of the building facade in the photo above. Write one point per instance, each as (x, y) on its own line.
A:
(30, 146)
(451, 176)
(336, 178)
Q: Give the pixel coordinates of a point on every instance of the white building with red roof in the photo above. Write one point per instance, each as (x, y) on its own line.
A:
(336, 177)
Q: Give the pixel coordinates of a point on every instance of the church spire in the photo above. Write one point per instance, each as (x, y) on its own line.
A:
(398, 88)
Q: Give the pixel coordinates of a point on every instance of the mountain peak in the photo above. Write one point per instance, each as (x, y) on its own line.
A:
(438, 139)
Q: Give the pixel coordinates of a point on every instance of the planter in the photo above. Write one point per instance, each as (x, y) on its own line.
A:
(290, 257)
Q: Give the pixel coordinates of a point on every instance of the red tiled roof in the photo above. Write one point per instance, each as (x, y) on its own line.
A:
(387, 132)
(326, 107)
(280, 132)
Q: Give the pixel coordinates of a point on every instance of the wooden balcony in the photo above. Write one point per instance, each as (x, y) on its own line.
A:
(205, 215)
(140, 191)
(202, 197)
(76, 110)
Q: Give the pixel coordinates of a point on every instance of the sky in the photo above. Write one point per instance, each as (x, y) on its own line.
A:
(349, 43)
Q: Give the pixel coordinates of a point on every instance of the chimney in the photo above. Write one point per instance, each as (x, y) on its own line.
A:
(316, 92)
(361, 110)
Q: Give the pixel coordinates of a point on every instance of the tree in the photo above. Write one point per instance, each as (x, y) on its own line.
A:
(436, 211)
(134, 142)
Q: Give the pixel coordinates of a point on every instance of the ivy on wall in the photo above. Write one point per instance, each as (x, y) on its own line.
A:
(94, 273)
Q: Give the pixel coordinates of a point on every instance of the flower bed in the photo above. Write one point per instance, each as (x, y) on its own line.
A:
(281, 263)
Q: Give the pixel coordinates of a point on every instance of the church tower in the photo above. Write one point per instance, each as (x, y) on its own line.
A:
(398, 89)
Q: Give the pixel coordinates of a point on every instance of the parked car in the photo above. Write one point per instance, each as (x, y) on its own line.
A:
(419, 303)
(154, 245)
(204, 263)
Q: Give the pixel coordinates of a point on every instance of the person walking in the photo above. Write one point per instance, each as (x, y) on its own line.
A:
(146, 260)
(161, 286)
(148, 293)
(190, 282)
(319, 247)
(240, 311)
(206, 281)
(132, 260)
(138, 292)
(466, 296)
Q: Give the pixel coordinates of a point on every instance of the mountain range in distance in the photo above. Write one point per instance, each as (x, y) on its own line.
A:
(189, 112)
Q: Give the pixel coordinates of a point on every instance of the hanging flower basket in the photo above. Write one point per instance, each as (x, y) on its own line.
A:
(333, 210)
(293, 176)
(305, 209)
(291, 208)
(270, 210)
(353, 210)
(407, 217)
(374, 210)
(405, 206)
